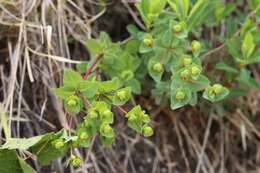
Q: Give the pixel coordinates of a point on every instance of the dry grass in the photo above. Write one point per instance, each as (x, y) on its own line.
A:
(39, 38)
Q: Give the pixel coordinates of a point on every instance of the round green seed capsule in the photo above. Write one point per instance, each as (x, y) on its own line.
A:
(196, 46)
(180, 95)
(158, 67)
(177, 28)
(217, 88)
(147, 131)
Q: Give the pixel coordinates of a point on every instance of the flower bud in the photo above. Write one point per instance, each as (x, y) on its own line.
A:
(93, 114)
(127, 75)
(177, 28)
(180, 95)
(195, 70)
(158, 67)
(145, 118)
(75, 143)
(59, 144)
(106, 129)
(147, 131)
(185, 74)
(75, 161)
(186, 61)
(211, 93)
(107, 114)
(83, 136)
(148, 42)
(72, 102)
(132, 117)
(196, 46)
(121, 95)
(217, 88)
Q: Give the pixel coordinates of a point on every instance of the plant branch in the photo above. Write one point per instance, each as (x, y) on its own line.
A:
(92, 66)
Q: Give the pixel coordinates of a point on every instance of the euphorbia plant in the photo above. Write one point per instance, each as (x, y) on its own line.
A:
(166, 56)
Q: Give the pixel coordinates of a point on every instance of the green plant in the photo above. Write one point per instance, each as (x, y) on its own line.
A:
(168, 56)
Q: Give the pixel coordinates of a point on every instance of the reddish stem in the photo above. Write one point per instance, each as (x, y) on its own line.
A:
(92, 66)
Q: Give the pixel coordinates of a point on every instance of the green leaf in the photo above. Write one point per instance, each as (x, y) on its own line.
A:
(222, 10)
(161, 92)
(9, 162)
(215, 93)
(83, 141)
(223, 66)
(122, 96)
(155, 69)
(248, 45)
(143, 8)
(157, 6)
(255, 58)
(194, 85)
(135, 85)
(92, 125)
(109, 86)
(134, 119)
(94, 46)
(71, 79)
(63, 92)
(73, 104)
(180, 97)
(107, 141)
(106, 130)
(45, 151)
(150, 10)
(88, 88)
(21, 143)
(245, 79)
(133, 30)
(248, 26)
(193, 99)
(25, 167)
(181, 7)
(200, 12)
(234, 47)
